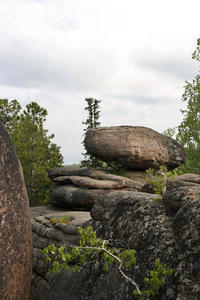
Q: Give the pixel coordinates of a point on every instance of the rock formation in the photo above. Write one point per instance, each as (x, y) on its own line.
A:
(15, 225)
(154, 229)
(121, 210)
(134, 146)
(47, 285)
(82, 188)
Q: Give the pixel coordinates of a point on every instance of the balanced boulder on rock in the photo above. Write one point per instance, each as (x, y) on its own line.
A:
(134, 146)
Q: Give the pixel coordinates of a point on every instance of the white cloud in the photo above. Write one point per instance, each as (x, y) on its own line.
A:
(133, 55)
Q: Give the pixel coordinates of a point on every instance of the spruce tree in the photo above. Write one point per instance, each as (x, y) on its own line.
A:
(92, 121)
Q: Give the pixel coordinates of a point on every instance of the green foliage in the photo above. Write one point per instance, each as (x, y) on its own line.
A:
(157, 178)
(188, 131)
(65, 219)
(93, 109)
(35, 150)
(116, 168)
(157, 279)
(98, 177)
(91, 246)
(196, 53)
(170, 132)
(74, 165)
(92, 121)
(9, 113)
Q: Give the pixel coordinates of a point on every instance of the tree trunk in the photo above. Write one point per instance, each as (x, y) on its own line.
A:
(31, 188)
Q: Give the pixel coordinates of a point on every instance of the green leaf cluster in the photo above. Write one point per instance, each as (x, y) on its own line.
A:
(90, 246)
(157, 279)
(65, 219)
(157, 178)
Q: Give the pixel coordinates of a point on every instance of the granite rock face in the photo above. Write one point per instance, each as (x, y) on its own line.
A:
(184, 180)
(153, 229)
(46, 285)
(82, 188)
(15, 225)
(134, 146)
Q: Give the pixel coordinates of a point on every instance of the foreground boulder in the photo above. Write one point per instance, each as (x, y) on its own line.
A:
(153, 229)
(15, 232)
(134, 146)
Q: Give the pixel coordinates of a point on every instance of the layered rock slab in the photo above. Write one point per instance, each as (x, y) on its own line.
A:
(15, 225)
(82, 188)
(134, 146)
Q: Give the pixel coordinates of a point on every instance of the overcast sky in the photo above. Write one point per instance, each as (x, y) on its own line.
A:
(135, 56)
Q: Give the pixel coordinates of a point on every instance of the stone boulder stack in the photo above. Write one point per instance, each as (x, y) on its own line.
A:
(134, 146)
(82, 187)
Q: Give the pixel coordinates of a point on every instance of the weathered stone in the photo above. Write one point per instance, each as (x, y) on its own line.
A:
(183, 180)
(146, 225)
(75, 197)
(108, 181)
(134, 146)
(177, 198)
(47, 285)
(66, 171)
(187, 231)
(85, 190)
(148, 228)
(15, 224)
(139, 176)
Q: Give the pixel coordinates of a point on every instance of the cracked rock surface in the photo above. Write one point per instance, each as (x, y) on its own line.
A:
(153, 229)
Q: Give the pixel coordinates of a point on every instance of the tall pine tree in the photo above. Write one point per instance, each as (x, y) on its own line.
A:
(92, 121)
(34, 147)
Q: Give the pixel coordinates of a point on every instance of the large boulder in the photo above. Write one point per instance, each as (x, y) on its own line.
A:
(134, 146)
(15, 232)
(154, 229)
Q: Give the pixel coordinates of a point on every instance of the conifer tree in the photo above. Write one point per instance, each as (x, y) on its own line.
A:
(33, 145)
(92, 121)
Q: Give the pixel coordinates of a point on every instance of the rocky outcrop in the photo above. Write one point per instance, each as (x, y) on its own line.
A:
(183, 180)
(177, 198)
(46, 285)
(15, 225)
(134, 146)
(82, 188)
(153, 229)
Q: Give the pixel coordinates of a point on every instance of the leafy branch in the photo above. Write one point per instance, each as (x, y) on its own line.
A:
(158, 177)
(113, 251)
